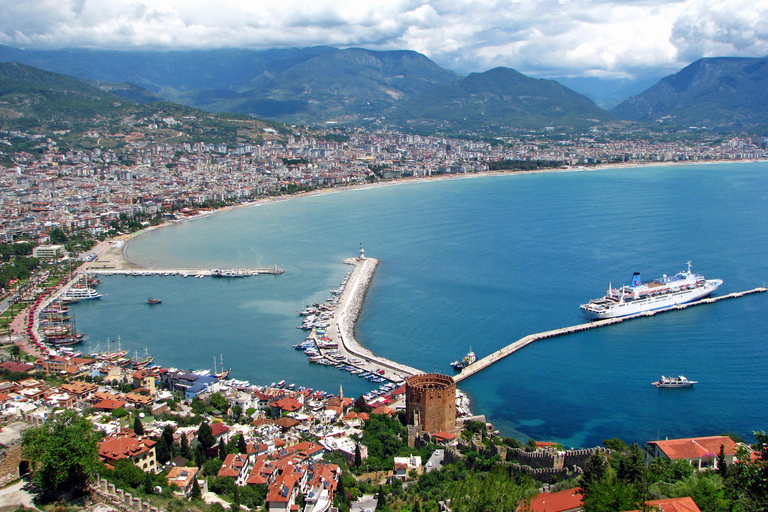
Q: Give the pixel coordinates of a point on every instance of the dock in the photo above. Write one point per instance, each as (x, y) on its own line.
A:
(488, 360)
(187, 272)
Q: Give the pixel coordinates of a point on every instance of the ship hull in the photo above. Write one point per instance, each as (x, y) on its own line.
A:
(652, 303)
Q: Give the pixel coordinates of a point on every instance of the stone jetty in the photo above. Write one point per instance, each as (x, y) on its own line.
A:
(488, 360)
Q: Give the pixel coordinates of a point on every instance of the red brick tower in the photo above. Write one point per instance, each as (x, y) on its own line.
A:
(430, 402)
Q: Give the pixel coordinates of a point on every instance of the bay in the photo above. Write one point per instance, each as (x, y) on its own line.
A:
(480, 263)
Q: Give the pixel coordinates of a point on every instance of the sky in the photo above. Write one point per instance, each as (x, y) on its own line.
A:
(545, 38)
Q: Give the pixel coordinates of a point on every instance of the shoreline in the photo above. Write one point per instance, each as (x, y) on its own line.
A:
(115, 256)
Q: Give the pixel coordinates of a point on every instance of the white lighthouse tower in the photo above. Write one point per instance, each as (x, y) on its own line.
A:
(362, 252)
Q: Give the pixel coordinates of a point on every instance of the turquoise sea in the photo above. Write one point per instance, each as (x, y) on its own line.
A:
(480, 263)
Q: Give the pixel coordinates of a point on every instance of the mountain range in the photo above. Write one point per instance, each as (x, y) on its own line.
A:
(354, 86)
(725, 92)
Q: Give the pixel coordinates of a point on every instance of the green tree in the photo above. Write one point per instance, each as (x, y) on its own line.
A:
(358, 456)
(128, 473)
(222, 449)
(185, 452)
(138, 427)
(219, 402)
(63, 452)
(57, 236)
(15, 352)
(242, 447)
(595, 471)
(205, 436)
(722, 465)
(148, 487)
(747, 483)
(631, 468)
(195, 494)
(615, 444)
(498, 490)
(162, 452)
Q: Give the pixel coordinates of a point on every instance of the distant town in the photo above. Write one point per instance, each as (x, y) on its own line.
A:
(87, 189)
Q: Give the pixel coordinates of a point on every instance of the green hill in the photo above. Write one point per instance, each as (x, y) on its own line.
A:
(42, 102)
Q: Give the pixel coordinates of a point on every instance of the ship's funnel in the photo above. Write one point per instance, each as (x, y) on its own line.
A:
(635, 280)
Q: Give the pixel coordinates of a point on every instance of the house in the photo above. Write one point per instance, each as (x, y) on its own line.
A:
(701, 452)
(236, 466)
(321, 485)
(219, 430)
(404, 464)
(108, 405)
(568, 500)
(673, 505)
(11, 366)
(127, 445)
(79, 388)
(282, 493)
(444, 438)
(182, 478)
(284, 405)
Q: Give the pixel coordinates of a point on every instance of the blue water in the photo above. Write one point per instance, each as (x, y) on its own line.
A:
(480, 263)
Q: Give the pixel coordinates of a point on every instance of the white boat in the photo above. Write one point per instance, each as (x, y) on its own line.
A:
(465, 361)
(661, 293)
(674, 382)
(75, 294)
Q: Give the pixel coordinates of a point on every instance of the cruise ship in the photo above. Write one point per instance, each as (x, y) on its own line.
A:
(661, 293)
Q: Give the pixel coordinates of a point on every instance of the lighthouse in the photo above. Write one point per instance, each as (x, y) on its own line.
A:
(362, 252)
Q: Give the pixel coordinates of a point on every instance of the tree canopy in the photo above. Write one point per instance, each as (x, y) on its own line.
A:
(63, 452)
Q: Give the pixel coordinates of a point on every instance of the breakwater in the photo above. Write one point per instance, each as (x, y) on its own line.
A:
(342, 325)
(527, 340)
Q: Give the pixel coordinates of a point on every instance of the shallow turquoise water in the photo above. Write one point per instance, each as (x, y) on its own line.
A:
(480, 263)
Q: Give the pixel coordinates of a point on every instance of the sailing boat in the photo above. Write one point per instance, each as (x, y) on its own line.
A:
(222, 374)
(139, 363)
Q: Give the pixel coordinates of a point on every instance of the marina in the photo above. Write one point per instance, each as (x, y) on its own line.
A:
(488, 360)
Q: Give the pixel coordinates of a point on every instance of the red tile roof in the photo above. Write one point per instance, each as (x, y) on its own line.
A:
(695, 447)
(568, 499)
(218, 428)
(674, 505)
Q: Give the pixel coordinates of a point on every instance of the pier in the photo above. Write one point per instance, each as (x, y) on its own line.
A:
(488, 360)
(186, 272)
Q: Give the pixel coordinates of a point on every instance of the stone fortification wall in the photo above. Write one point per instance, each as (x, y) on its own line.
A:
(547, 475)
(120, 499)
(536, 460)
(579, 457)
(430, 402)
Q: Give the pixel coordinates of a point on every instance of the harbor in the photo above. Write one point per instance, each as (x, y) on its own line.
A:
(488, 360)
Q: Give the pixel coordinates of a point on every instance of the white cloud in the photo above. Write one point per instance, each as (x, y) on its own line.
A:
(712, 28)
(540, 37)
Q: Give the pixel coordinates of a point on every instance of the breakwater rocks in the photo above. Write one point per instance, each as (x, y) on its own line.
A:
(351, 301)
